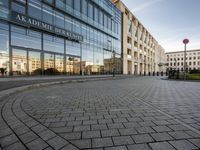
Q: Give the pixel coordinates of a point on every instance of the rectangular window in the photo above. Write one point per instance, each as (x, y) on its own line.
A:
(18, 7)
(25, 38)
(59, 20)
(90, 10)
(60, 4)
(34, 9)
(96, 14)
(53, 44)
(77, 5)
(100, 17)
(47, 15)
(69, 5)
(84, 7)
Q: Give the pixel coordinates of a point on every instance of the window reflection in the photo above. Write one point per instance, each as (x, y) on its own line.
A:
(19, 62)
(34, 63)
(59, 64)
(48, 64)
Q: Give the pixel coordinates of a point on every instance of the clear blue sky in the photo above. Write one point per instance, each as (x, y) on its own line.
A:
(169, 21)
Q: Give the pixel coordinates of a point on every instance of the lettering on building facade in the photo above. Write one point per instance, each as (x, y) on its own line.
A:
(31, 22)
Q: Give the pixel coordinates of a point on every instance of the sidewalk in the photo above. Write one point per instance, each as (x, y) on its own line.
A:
(13, 82)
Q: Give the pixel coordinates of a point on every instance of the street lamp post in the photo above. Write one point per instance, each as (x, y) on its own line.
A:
(113, 63)
(185, 41)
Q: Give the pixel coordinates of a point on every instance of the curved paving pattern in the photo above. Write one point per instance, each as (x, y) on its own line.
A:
(127, 114)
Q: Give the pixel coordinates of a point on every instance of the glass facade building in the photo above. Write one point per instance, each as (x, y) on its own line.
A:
(73, 37)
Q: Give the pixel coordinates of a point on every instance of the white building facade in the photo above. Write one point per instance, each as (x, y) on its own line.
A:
(175, 60)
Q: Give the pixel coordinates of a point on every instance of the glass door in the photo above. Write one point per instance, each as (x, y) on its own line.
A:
(19, 61)
(77, 66)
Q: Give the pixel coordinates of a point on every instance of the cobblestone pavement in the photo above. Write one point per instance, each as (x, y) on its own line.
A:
(143, 113)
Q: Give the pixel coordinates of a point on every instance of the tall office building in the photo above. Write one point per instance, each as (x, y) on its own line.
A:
(60, 37)
(141, 52)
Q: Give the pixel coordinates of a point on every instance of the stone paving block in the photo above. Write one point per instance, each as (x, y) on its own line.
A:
(47, 134)
(110, 116)
(57, 124)
(99, 117)
(90, 134)
(38, 128)
(131, 124)
(120, 120)
(196, 142)
(110, 132)
(129, 131)
(161, 128)
(193, 134)
(37, 144)
(57, 142)
(82, 144)
(142, 138)
(161, 136)
(17, 146)
(138, 147)
(177, 127)
(122, 140)
(117, 148)
(161, 146)
(81, 128)
(115, 126)
(145, 130)
(134, 119)
(146, 123)
(74, 123)
(179, 135)
(183, 145)
(7, 140)
(89, 122)
(62, 129)
(82, 118)
(67, 119)
(101, 142)
(99, 127)
(189, 120)
(69, 147)
(27, 137)
(21, 130)
(161, 122)
(103, 121)
(71, 135)
(5, 132)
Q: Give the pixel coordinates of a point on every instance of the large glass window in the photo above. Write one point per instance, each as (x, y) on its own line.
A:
(34, 61)
(19, 62)
(90, 10)
(96, 14)
(49, 64)
(77, 5)
(68, 23)
(101, 17)
(72, 48)
(59, 64)
(47, 15)
(18, 7)
(84, 7)
(60, 4)
(25, 38)
(53, 44)
(59, 20)
(34, 9)
(69, 5)
(4, 49)
(4, 8)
